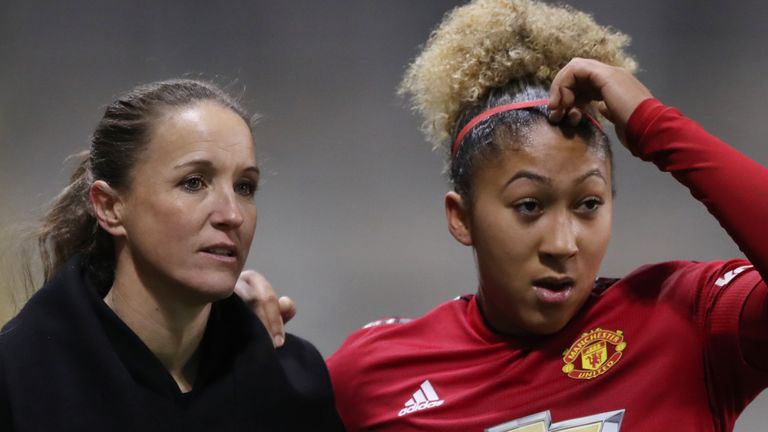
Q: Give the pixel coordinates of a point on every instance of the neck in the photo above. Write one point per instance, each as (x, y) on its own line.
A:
(496, 320)
(170, 329)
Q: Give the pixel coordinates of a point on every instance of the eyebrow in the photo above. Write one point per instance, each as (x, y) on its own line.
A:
(524, 174)
(595, 172)
(206, 164)
(195, 163)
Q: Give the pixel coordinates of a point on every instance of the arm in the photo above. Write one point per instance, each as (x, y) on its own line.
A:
(727, 301)
(733, 187)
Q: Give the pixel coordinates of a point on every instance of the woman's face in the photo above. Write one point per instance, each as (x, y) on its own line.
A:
(540, 224)
(189, 215)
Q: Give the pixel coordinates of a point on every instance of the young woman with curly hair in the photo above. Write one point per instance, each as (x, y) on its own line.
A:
(672, 346)
(512, 90)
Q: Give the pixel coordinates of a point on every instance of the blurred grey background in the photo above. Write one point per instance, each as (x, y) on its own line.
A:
(351, 222)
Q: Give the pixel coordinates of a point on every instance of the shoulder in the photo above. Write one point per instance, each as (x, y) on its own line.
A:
(390, 320)
(300, 358)
(36, 317)
(687, 284)
(304, 368)
(380, 353)
(52, 312)
(389, 338)
(297, 365)
(309, 385)
(278, 381)
(393, 329)
(697, 273)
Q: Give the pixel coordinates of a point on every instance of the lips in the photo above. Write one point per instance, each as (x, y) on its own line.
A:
(221, 250)
(553, 289)
(554, 283)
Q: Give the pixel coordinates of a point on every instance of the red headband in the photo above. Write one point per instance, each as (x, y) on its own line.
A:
(485, 115)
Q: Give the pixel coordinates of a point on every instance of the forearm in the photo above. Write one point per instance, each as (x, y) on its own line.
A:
(733, 187)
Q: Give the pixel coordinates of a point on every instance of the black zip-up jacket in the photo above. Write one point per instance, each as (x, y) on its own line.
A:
(68, 363)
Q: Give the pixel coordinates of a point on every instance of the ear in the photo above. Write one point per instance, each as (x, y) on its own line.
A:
(107, 207)
(457, 214)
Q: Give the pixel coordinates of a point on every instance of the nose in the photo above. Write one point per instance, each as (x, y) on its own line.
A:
(559, 240)
(227, 212)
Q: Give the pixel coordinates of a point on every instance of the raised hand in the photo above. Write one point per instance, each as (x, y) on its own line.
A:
(582, 81)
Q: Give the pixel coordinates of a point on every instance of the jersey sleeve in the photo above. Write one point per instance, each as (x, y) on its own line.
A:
(733, 187)
(363, 367)
(730, 298)
(345, 367)
(723, 299)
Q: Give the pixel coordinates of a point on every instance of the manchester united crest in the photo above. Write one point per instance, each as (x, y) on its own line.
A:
(594, 353)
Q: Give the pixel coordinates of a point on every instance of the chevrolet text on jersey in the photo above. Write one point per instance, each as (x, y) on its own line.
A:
(541, 422)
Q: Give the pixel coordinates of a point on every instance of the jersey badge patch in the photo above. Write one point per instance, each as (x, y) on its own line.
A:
(593, 354)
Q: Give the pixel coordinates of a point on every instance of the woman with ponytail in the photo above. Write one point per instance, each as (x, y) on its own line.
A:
(513, 90)
(136, 327)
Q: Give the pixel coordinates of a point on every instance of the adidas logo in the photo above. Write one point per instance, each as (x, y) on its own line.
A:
(425, 397)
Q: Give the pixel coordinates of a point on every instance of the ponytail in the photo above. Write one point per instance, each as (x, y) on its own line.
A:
(70, 227)
(66, 229)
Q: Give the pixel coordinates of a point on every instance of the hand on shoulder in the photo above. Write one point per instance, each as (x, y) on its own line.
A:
(273, 311)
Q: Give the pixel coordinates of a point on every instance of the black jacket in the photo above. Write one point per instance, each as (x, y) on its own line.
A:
(67, 363)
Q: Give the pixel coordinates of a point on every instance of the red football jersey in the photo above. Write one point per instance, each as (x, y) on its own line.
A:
(642, 345)
(672, 346)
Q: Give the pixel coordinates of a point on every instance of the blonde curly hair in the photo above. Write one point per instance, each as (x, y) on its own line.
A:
(488, 43)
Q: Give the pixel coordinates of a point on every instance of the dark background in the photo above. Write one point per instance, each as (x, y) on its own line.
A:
(350, 211)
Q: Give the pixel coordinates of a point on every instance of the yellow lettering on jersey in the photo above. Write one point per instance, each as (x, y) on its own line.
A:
(538, 422)
(538, 427)
(604, 422)
(594, 427)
